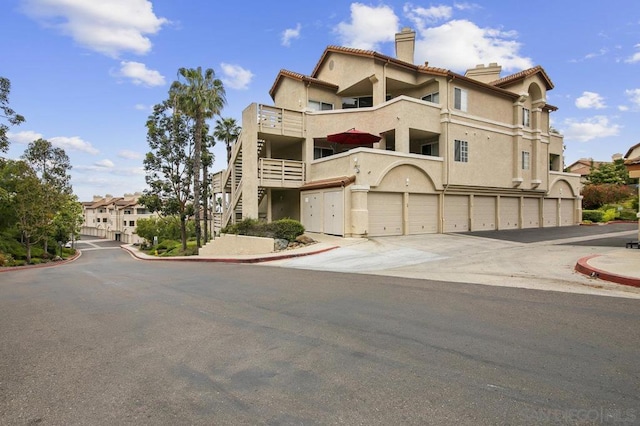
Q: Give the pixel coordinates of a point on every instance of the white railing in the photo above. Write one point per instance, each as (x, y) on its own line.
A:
(279, 121)
(280, 173)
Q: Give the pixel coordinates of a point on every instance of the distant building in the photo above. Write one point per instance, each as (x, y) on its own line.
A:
(114, 218)
(584, 166)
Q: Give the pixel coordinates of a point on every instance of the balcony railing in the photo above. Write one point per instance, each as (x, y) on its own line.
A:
(276, 173)
(279, 121)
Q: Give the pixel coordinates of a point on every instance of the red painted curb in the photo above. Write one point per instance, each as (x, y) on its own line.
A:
(227, 259)
(583, 267)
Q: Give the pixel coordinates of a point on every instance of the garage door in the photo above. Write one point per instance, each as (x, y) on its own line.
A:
(423, 214)
(484, 213)
(550, 212)
(531, 213)
(385, 213)
(509, 212)
(333, 213)
(456, 213)
(312, 211)
(567, 212)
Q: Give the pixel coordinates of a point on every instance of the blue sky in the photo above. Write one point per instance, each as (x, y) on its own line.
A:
(86, 73)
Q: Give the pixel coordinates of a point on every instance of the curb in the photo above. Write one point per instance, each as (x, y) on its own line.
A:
(41, 265)
(135, 253)
(583, 267)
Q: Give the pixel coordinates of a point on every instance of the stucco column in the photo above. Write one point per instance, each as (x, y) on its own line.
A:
(402, 138)
(250, 177)
(359, 210)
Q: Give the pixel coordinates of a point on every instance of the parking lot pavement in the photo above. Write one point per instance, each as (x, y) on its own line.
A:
(544, 260)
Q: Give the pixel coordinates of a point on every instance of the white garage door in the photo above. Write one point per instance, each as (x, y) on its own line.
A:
(484, 213)
(312, 211)
(423, 214)
(531, 213)
(333, 213)
(385, 213)
(509, 212)
(456, 213)
(550, 212)
(567, 212)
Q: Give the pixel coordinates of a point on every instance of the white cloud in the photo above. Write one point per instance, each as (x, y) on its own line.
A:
(590, 100)
(106, 163)
(140, 74)
(635, 57)
(130, 155)
(142, 107)
(466, 6)
(590, 128)
(235, 76)
(109, 27)
(73, 143)
(634, 96)
(623, 108)
(369, 26)
(422, 16)
(290, 34)
(24, 137)
(461, 44)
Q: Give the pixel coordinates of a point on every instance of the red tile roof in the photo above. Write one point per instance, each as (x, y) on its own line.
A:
(522, 75)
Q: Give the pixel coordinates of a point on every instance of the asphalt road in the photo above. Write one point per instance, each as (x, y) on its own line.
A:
(111, 340)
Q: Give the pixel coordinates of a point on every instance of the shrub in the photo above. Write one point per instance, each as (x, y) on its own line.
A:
(596, 196)
(609, 215)
(592, 215)
(287, 229)
(628, 214)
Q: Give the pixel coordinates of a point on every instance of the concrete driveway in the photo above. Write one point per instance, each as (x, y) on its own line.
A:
(542, 259)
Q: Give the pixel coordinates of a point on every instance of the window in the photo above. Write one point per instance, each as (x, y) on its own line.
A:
(461, 153)
(430, 149)
(460, 99)
(359, 102)
(104, 220)
(124, 222)
(432, 97)
(132, 223)
(321, 152)
(142, 211)
(525, 160)
(319, 106)
(127, 212)
(526, 117)
(554, 162)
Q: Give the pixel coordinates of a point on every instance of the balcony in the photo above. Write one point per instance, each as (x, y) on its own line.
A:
(279, 121)
(274, 173)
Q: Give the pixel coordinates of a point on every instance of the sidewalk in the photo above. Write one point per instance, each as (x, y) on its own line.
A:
(544, 265)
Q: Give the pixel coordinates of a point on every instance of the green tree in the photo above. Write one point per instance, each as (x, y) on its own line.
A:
(50, 163)
(68, 219)
(609, 173)
(169, 164)
(201, 96)
(227, 131)
(6, 113)
(207, 161)
(28, 202)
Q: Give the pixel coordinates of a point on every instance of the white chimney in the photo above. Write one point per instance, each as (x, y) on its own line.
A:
(405, 45)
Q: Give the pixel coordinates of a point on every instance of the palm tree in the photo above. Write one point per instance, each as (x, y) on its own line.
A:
(227, 130)
(201, 96)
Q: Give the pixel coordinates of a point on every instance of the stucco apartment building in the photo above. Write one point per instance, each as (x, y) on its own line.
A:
(114, 218)
(456, 152)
